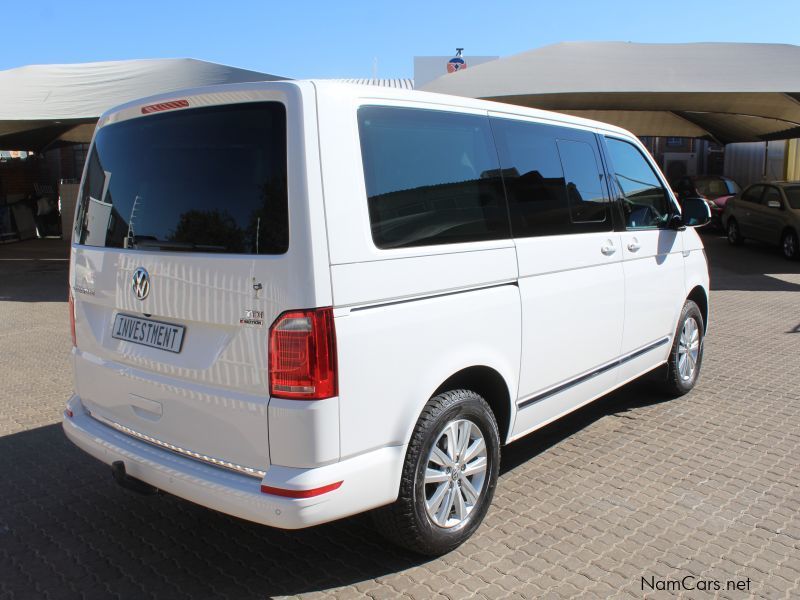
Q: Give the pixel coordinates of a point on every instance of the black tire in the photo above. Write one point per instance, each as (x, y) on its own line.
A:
(676, 383)
(406, 522)
(790, 245)
(734, 233)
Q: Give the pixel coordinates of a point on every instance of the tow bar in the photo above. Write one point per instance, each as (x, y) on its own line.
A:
(131, 483)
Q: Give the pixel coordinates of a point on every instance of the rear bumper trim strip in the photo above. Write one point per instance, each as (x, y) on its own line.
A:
(217, 462)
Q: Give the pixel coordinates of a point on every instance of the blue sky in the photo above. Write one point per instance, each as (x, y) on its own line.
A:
(342, 38)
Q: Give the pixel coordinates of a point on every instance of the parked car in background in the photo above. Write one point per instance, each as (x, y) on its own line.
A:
(714, 189)
(768, 212)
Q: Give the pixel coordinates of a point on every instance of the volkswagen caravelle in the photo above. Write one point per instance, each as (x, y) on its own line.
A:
(296, 301)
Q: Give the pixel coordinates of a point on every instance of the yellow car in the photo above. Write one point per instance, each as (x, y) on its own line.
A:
(768, 212)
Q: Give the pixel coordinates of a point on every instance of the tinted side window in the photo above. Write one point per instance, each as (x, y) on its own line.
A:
(432, 177)
(585, 196)
(793, 196)
(552, 178)
(644, 200)
(533, 177)
(753, 194)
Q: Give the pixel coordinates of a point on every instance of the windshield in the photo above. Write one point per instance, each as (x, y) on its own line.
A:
(793, 196)
(209, 179)
(713, 187)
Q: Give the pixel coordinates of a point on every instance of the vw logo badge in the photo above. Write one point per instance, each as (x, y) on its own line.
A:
(140, 283)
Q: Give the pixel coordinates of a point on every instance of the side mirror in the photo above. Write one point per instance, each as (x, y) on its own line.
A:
(696, 212)
(676, 222)
(773, 204)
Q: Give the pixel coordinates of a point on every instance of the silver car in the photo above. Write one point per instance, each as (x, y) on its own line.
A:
(768, 212)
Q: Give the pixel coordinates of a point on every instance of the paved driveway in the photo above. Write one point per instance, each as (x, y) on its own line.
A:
(705, 488)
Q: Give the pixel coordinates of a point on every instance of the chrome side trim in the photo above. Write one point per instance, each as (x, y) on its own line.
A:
(217, 462)
(435, 295)
(589, 375)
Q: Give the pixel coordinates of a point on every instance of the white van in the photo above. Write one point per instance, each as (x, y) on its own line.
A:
(295, 301)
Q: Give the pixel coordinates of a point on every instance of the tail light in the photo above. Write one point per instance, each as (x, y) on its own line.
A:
(71, 302)
(302, 355)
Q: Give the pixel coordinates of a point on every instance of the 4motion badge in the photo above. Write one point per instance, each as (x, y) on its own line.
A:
(252, 318)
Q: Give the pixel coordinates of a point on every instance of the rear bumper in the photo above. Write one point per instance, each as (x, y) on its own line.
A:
(368, 480)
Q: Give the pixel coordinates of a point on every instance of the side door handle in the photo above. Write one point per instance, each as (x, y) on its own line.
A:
(608, 248)
(634, 245)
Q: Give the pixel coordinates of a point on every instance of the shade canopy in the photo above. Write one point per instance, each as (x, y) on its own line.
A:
(42, 105)
(726, 92)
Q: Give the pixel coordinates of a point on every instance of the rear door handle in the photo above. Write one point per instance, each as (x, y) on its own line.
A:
(608, 249)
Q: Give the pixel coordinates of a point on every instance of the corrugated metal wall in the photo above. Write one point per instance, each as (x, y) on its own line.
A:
(745, 162)
(405, 84)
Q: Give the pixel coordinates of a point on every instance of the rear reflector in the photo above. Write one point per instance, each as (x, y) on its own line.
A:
(71, 303)
(151, 108)
(266, 489)
(302, 355)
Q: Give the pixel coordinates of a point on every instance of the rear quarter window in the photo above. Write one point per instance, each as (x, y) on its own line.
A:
(432, 177)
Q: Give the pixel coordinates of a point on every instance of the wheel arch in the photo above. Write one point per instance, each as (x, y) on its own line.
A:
(699, 296)
(491, 385)
(786, 229)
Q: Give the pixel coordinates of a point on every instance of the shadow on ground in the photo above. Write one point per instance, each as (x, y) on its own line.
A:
(34, 271)
(66, 527)
(751, 267)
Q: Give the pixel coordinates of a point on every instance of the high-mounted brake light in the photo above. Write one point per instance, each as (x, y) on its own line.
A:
(302, 355)
(71, 303)
(151, 108)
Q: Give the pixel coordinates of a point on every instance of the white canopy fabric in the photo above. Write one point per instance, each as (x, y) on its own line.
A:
(43, 104)
(727, 92)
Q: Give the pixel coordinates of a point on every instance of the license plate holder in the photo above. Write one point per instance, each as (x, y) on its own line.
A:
(148, 332)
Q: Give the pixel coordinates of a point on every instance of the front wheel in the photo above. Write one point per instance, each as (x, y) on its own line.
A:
(734, 235)
(789, 245)
(448, 478)
(686, 356)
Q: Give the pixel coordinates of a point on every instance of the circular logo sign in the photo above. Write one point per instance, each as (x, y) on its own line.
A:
(456, 64)
(140, 283)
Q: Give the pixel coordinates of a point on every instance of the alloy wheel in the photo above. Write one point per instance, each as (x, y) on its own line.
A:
(733, 232)
(688, 349)
(790, 245)
(455, 473)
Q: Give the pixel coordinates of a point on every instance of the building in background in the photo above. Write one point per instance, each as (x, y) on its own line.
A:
(681, 156)
(428, 68)
(402, 84)
(745, 163)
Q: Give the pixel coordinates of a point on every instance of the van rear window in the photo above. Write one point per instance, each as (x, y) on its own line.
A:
(209, 179)
(432, 177)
